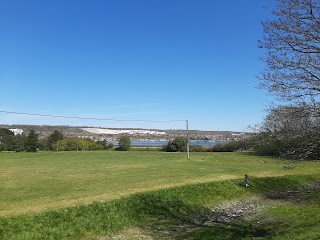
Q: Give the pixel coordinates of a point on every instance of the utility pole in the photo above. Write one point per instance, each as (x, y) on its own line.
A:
(188, 144)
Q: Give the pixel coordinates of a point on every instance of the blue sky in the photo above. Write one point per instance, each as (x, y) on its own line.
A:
(133, 59)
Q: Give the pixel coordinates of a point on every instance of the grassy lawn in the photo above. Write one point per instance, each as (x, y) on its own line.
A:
(155, 195)
(31, 182)
(183, 213)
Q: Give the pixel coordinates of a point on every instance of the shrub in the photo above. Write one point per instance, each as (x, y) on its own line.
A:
(198, 148)
(124, 143)
(176, 145)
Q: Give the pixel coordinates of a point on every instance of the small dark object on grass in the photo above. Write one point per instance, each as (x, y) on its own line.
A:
(246, 179)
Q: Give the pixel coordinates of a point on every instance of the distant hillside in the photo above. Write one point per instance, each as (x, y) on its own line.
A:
(107, 133)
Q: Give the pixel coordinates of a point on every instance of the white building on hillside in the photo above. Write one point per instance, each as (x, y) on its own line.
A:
(16, 131)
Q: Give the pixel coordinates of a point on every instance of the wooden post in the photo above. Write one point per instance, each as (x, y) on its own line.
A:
(188, 142)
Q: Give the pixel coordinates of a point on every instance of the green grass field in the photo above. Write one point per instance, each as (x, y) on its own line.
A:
(91, 195)
(32, 182)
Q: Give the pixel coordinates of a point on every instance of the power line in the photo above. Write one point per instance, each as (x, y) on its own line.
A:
(88, 118)
(102, 119)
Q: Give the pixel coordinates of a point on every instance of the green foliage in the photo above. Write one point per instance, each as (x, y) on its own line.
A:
(241, 145)
(43, 144)
(19, 142)
(76, 144)
(180, 145)
(221, 147)
(124, 143)
(105, 145)
(6, 139)
(231, 146)
(267, 145)
(198, 148)
(54, 138)
(176, 145)
(31, 143)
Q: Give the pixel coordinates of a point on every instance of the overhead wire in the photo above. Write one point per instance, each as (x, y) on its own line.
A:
(88, 118)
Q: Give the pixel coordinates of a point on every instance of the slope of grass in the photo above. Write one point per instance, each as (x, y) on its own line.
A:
(159, 214)
(33, 182)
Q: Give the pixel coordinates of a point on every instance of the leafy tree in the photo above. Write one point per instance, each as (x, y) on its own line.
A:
(176, 145)
(292, 46)
(124, 143)
(6, 139)
(76, 144)
(19, 142)
(60, 145)
(53, 138)
(87, 144)
(68, 144)
(43, 144)
(105, 145)
(31, 144)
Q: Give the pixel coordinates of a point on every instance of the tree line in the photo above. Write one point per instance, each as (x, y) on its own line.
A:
(18, 143)
(57, 142)
(180, 145)
(54, 142)
(273, 140)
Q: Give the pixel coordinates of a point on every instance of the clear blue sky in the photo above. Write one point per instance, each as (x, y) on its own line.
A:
(133, 59)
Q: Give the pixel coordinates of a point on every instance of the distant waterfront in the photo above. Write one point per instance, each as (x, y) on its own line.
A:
(161, 143)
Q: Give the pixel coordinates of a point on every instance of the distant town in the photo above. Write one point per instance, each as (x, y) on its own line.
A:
(113, 134)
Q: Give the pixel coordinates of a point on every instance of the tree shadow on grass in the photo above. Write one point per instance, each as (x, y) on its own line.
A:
(306, 194)
(226, 231)
(171, 218)
(294, 188)
(166, 216)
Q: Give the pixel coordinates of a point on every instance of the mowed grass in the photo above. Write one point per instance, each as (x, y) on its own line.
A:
(33, 182)
(178, 213)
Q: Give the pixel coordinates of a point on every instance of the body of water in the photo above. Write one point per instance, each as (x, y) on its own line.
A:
(161, 143)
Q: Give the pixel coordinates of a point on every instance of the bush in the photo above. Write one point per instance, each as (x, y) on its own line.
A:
(124, 143)
(105, 145)
(231, 146)
(222, 147)
(76, 144)
(267, 145)
(198, 148)
(176, 145)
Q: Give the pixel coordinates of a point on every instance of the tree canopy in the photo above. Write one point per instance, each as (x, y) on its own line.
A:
(54, 138)
(6, 139)
(176, 145)
(124, 143)
(292, 51)
(31, 143)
